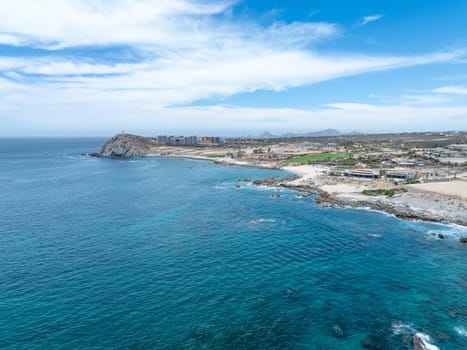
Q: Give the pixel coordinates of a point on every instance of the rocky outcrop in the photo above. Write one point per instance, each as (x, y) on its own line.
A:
(371, 343)
(125, 146)
(337, 330)
(422, 342)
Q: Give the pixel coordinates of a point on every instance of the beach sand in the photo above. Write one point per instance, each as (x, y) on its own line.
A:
(456, 188)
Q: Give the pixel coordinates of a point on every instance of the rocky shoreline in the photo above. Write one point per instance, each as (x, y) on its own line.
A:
(406, 204)
(330, 199)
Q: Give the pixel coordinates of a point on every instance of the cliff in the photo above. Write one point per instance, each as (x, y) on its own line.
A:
(125, 146)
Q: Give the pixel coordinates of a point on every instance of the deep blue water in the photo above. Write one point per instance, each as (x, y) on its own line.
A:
(172, 254)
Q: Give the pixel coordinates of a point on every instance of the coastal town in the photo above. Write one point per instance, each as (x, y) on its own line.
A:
(410, 175)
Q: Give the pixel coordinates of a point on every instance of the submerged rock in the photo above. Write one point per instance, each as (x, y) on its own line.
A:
(463, 240)
(443, 336)
(371, 343)
(337, 330)
(441, 236)
(452, 313)
(272, 182)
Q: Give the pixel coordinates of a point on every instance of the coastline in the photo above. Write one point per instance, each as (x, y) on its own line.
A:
(444, 203)
(223, 161)
(411, 205)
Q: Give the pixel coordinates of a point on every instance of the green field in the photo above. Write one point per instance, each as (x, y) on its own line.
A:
(216, 155)
(317, 157)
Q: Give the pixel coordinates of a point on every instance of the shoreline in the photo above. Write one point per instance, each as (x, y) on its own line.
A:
(225, 161)
(411, 205)
(431, 207)
(444, 202)
(346, 193)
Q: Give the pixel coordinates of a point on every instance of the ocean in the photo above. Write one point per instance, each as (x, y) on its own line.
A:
(179, 254)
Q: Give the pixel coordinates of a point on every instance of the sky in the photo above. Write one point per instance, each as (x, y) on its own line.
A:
(231, 67)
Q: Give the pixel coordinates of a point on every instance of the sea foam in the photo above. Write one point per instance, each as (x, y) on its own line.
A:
(461, 331)
(425, 342)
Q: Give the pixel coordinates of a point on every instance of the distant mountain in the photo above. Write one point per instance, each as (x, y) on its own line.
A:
(326, 132)
(319, 133)
(267, 135)
(290, 134)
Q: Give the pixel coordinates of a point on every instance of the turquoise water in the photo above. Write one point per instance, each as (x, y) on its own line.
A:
(172, 254)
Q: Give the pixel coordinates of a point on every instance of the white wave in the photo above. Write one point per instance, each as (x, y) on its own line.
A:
(265, 188)
(80, 157)
(461, 331)
(449, 229)
(260, 221)
(401, 328)
(374, 235)
(425, 341)
(382, 212)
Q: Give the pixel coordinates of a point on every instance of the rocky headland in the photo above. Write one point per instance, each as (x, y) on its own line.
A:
(126, 146)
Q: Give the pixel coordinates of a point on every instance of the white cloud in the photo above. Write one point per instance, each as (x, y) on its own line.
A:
(368, 19)
(60, 67)
(426, 99)
(298, 32)
(456, 90)
(65, 23)
(175, 24)
(189, 52)
(6, 39)
(189, 76)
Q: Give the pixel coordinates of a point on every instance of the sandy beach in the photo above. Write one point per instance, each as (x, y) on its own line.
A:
(456, 188)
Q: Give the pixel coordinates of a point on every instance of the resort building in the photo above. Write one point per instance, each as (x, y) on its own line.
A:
(311, 146)
(191, 140)
(162, 139)
(363, 173)
(211, 140)
(240, 141)
(177, 140)
(400, 174)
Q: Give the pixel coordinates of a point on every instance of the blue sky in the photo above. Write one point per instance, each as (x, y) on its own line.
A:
(82, 67)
